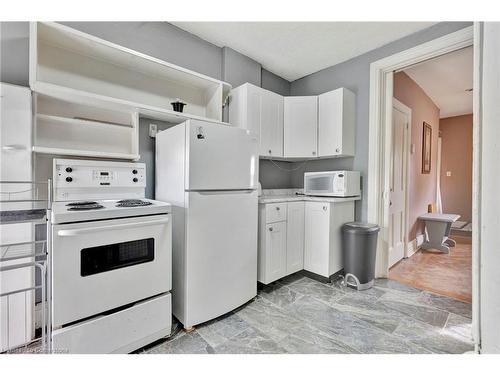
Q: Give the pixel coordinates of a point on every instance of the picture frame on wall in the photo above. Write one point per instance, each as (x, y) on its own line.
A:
(426, 148)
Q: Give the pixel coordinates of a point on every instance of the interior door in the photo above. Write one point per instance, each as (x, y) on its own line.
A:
(221, 157)
(397, 205)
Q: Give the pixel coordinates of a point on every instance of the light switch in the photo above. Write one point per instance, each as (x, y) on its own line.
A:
(448, 173)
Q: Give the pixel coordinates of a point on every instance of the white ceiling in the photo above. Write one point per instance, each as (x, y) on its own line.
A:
(445, 80)
(293, 50)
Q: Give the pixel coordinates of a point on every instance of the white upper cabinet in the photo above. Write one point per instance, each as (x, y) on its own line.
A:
(337, 123)
(74, 66)
(294, 127)
(261, 112)
(271, 124)
(300, 126)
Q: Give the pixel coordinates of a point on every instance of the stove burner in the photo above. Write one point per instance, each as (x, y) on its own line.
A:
(82, 203)
(85, 207)
(132, 203)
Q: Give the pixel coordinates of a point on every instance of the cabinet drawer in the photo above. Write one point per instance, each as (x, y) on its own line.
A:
(275, 212)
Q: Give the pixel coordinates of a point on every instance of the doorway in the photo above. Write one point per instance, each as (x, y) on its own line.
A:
(380, 138)
(439, 94)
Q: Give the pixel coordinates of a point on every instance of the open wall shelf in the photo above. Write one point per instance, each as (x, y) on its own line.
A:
(75, 129)
(67, 63)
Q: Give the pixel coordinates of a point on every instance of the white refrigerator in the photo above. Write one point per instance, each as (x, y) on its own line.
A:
(209, 173)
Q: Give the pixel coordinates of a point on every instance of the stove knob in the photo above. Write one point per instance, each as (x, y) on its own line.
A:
(134, 171)
(135, 179)
(69, 169)
(69, 179)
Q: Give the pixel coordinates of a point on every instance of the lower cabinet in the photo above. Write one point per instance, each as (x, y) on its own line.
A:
(295, 237)
(281, 240)
(301, 235)
(323, 236)
(274, 263)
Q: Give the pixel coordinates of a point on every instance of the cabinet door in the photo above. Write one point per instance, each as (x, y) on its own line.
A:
(253, 108)
(275, 251)
(336, 123)
(295, 237)
(300, 126)
(317, 238)
(271, 124)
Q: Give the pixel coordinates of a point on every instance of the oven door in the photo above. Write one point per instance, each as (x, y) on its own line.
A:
(102, 265)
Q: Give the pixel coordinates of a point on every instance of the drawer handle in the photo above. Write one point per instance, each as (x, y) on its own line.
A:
(270, 229)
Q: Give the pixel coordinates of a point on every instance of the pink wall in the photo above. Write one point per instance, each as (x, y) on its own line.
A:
(456, 157)
(422, 186)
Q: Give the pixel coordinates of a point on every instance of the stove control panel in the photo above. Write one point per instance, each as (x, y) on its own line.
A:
(104, 179)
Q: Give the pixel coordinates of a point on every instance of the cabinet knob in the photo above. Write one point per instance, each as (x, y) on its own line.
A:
(337, 150)
(277, 208)
(270, 229)
(314, 152)
(270, 152)
(325, 208)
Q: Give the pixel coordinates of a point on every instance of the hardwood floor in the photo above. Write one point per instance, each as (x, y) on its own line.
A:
(446, 274)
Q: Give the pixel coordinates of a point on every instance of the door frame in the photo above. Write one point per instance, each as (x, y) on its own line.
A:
(379, 155)
(407, 145)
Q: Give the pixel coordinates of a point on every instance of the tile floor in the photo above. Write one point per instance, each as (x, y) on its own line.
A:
(446, 274)
(302, 315)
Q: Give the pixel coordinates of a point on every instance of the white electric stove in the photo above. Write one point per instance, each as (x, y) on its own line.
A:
(111, 259)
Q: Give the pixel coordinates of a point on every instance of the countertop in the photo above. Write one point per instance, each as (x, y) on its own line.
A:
(289, 195)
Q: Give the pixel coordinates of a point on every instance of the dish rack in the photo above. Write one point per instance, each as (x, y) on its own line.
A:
(25, 256)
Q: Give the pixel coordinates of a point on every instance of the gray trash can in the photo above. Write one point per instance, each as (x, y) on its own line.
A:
(359, 245)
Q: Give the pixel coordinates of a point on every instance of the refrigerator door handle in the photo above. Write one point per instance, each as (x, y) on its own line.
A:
(218, 192)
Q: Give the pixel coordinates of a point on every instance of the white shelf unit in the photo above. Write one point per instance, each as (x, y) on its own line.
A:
(68, 128)
(67, 63)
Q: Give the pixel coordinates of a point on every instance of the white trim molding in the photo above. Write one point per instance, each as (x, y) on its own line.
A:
(407, 145)
(380, 124)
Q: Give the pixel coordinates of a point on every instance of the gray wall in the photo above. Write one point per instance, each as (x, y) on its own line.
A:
(354, 74)
(238, 69)
(272, 82)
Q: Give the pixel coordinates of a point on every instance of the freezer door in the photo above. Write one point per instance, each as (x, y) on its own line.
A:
(220, 157)
(221, 253)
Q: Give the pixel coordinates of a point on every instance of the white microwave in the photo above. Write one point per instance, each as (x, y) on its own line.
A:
(332, 183)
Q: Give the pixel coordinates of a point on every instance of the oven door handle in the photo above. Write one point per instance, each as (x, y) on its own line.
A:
(76, 232)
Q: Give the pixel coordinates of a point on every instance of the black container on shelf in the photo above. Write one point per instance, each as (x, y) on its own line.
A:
(178, 105)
